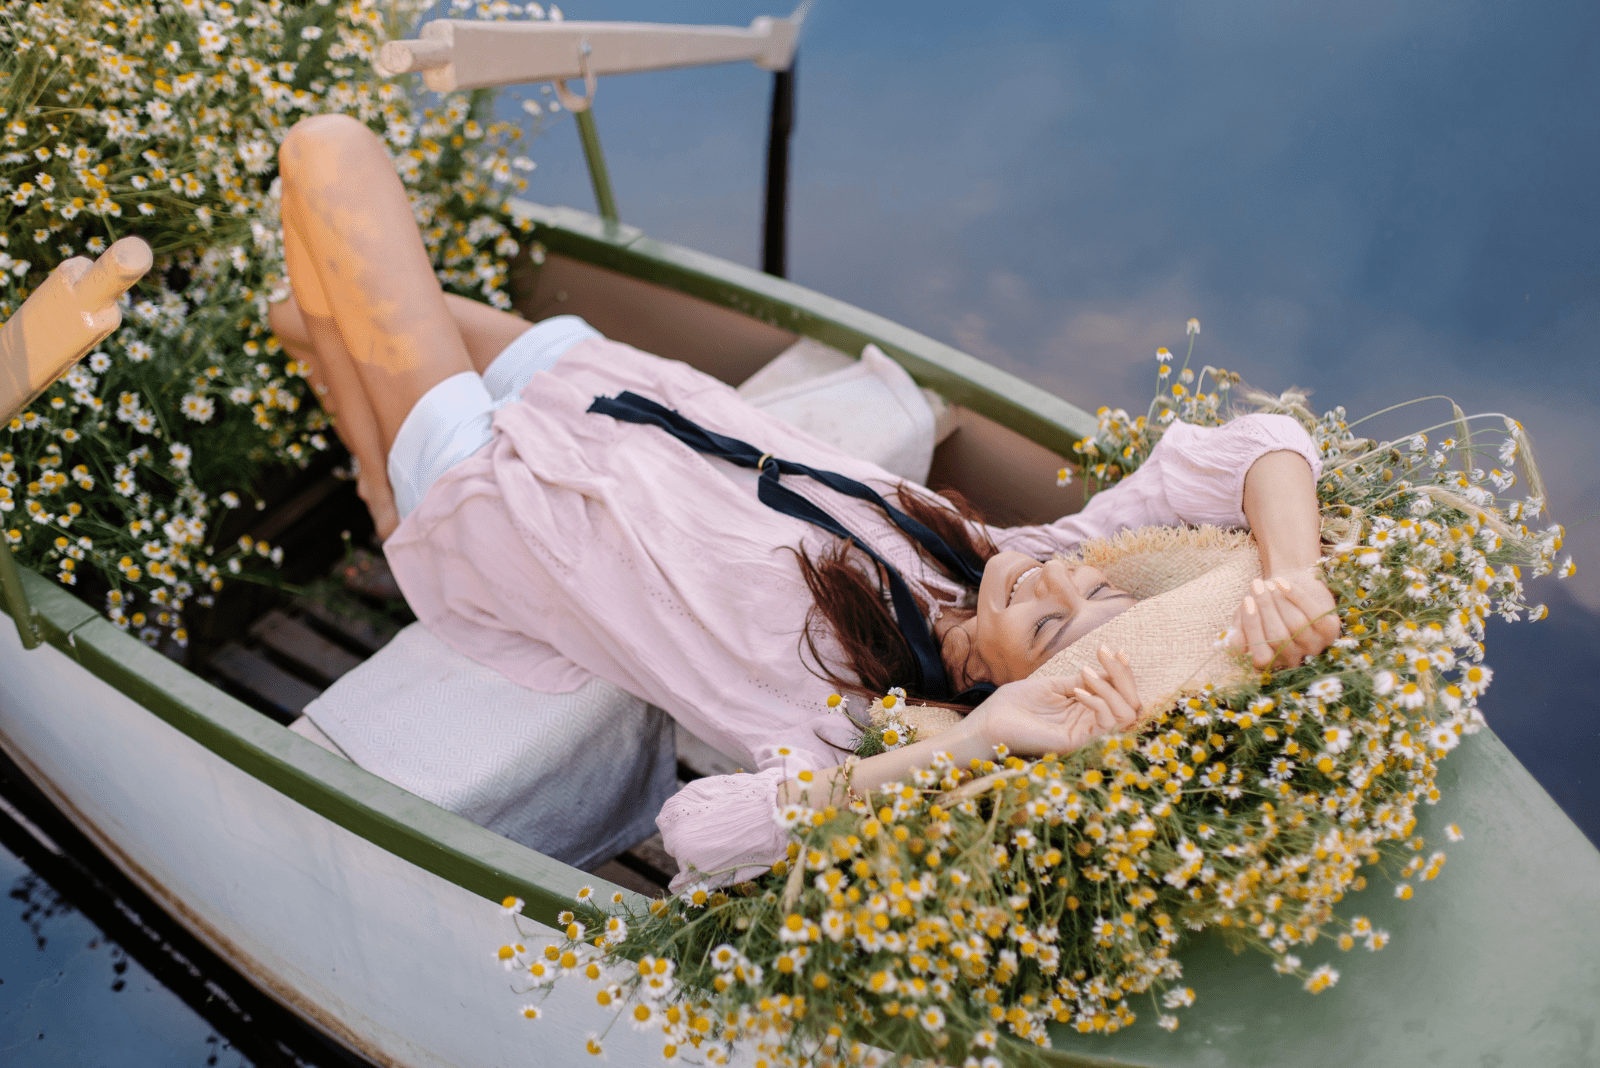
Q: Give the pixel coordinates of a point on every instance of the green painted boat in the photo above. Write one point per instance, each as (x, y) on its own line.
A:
(372, 913)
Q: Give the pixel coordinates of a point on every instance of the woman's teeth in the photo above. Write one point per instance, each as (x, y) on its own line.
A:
(1012, 595)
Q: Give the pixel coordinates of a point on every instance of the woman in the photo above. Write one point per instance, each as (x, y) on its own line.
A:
(542, 520)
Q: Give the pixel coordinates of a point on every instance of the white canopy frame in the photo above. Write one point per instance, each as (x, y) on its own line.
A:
(458, 54)
(454, 54)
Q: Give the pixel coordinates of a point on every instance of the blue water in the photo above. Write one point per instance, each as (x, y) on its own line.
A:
(74, 998)
(1375, 200)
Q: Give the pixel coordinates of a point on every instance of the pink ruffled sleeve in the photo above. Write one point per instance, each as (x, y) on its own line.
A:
(724, 828)
(1194, 475)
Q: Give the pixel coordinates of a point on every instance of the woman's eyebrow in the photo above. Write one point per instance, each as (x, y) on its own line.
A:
(1055, 642)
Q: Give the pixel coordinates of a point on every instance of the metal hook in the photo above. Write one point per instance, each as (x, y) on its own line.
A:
(572, 101)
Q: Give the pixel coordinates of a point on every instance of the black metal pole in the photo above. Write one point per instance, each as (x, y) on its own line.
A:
(775, 226)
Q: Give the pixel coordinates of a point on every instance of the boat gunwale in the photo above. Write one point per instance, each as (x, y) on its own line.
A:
(1035, 413)
(434, 839)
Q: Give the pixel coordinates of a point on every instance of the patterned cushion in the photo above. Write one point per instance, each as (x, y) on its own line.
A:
(578, 776)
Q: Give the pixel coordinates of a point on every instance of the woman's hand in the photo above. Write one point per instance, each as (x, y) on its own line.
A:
(1039, 715)
(1030, 717)
(1287, 619)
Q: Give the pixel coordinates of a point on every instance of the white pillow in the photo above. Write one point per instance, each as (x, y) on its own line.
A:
(869, 408)
(511, 759)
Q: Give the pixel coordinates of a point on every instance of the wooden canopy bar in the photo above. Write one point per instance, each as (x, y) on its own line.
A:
(456, 54)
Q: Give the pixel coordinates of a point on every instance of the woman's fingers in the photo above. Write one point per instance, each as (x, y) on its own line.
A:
(1124, 699)
(1119, 669)
(1104, 718)
(1100, 693)
(1255, 639)
(1120, 697)
(1301, 641)
(1317, 603)
(1273, 627)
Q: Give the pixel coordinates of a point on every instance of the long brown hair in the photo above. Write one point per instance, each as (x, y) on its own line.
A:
(851, 600)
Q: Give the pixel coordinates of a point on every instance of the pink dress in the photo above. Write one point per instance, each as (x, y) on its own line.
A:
(575, 545)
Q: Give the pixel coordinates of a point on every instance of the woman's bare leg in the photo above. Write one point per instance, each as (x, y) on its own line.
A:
(315, 340)
(486, 331)
(347, 218)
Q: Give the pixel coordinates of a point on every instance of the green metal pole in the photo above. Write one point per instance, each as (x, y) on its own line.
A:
(17, 600)
(597, 164)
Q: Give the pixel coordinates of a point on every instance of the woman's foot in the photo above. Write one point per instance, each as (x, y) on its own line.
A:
(376, 493)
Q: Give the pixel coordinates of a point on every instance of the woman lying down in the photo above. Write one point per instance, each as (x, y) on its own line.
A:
(560, 506)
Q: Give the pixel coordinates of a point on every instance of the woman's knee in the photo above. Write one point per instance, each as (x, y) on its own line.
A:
(335, 142)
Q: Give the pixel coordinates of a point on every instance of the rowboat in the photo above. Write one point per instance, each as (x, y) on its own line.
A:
(372, 913)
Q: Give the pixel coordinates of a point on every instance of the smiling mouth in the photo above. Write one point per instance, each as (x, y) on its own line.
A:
(1012, 595)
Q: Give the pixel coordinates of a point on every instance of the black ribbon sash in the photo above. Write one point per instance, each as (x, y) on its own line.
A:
(931, 681)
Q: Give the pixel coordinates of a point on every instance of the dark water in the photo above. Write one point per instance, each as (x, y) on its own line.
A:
(1375, 200)
(94, 975)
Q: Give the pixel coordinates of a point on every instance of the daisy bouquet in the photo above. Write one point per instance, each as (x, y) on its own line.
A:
(162, 119)
(964, 914)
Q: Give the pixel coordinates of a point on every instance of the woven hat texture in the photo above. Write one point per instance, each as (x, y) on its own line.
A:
(1189, 581)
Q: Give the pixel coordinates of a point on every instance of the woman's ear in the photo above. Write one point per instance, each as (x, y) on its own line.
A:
(962, 663)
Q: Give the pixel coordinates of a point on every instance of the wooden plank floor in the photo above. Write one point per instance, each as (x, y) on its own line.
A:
(294, 652)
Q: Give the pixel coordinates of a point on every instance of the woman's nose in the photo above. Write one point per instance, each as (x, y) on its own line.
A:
(1055, 580)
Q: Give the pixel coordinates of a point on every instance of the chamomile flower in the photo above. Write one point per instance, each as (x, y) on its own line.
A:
(198, 408)
(1327, 689)
(791, 816)
(1321, 978)
(1336, 739)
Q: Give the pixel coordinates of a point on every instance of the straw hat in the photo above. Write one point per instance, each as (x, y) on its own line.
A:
(1190, 583)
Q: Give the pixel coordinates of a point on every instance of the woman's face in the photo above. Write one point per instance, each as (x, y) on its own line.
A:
(1028, 611)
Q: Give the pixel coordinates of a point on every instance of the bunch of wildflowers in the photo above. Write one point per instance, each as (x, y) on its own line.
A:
(978, 907)
(163, 119)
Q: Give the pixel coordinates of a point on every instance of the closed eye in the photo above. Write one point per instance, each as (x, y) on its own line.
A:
(1094, 593)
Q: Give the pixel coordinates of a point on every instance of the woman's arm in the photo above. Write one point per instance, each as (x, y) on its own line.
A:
(719, 828)
(1030, 717)
(1195, 475)
(1290, 615)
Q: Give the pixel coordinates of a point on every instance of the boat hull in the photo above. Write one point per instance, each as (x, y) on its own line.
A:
(387, 958)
